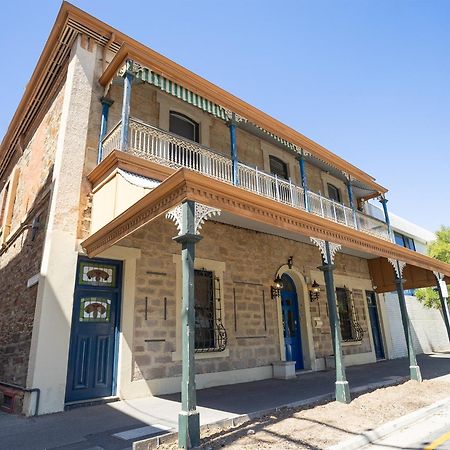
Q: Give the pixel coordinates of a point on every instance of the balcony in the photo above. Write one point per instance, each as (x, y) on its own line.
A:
(170, 150)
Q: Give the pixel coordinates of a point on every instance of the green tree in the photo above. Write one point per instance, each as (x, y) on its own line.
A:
(439, 249)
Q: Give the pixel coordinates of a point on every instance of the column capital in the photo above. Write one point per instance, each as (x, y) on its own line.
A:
(398, 267)
(327, 253)
(106, 101)
(201, 214)
(382, 199)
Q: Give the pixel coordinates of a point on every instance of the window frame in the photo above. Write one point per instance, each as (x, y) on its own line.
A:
(337, 190)
(276, 160)
(404, 241)
(186, 118)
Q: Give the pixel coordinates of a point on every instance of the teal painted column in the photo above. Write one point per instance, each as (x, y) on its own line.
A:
(414, 369)
(383, 200)
(443, 297)
(304, 179)
(342, 387)
(188, 419)
(233, 149)
(106, 103)
(126, 105)
(352, 201)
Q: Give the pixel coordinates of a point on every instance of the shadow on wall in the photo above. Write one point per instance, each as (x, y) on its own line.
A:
(20, 263)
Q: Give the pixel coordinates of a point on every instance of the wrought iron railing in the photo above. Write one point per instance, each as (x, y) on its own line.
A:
(171, 150)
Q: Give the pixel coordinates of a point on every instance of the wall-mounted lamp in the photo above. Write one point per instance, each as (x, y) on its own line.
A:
(276, 288)
(290, 262)
(314, 291)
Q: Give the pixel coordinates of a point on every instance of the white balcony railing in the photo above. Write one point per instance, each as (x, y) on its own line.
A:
(171, 150)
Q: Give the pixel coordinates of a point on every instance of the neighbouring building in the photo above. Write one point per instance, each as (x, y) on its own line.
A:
(428, 326)
(117, 166)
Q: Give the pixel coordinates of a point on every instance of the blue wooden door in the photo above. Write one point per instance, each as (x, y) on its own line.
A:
(93, 346)
(375, 324)
(291, 322)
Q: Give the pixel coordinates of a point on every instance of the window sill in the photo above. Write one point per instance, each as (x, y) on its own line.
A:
(176, 356)
(350, 343)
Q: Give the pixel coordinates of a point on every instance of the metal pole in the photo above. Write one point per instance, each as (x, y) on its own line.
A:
(301, 160)
(443, 297)
(414, 369)
(383, 200)
(352, 201)
(233, 148)
(342, 387)
(126, 104)
(106, 103)
(188, 418)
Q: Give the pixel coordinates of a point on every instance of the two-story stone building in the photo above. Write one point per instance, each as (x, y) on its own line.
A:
(113, 151)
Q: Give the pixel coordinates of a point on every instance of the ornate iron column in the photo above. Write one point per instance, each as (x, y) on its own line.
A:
(233, 149)
(304, 179)
(414, 369)
(351, 200)
(189, 217)
(128, 77)
(443, 297)
(328, 250)
(383, 200)
(106, 103)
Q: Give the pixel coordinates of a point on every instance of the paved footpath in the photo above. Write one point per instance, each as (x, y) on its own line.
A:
(115, 426)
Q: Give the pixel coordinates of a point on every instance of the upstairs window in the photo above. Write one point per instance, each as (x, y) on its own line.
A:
(184, 126)
(334, 193)
(278, 167)
(404, 241)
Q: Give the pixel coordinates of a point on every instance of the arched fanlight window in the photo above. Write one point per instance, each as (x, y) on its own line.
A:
(184, 126)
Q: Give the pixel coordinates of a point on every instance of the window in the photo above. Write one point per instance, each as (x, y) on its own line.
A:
(404, 241)
(210, 334)
(278, 167)
(7, 204)
(344, 309)
(184, 126)
(3, 200)
(350, 328)
(334, 193)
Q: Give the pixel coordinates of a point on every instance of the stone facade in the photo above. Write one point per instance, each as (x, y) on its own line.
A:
(251, 260)
(21, 255)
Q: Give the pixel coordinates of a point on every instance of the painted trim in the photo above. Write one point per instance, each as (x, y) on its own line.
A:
(170, 385)
(188, 185)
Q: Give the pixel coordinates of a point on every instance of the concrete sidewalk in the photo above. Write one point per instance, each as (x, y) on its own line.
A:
(115, 426)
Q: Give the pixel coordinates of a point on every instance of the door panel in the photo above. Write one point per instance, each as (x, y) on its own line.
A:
(375, 324)
(94, 330)
(291, 322)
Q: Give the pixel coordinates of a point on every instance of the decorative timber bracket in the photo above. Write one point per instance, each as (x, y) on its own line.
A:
(398, 267)
(334, 248)
(202, 213)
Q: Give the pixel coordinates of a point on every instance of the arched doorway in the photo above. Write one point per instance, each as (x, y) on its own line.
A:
(291, 322)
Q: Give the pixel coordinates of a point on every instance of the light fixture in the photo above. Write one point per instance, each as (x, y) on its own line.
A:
(314, 291)
(290, 262)
(276, 288)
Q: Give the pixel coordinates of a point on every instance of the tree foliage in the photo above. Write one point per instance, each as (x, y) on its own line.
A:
(439, 249)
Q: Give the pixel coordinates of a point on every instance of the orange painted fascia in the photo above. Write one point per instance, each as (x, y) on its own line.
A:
(134, 50)
(238, 201)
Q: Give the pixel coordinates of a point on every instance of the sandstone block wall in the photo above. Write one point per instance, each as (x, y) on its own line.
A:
(250, 315)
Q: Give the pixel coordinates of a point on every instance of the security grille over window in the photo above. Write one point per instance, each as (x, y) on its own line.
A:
(351, 330)
(210, 334)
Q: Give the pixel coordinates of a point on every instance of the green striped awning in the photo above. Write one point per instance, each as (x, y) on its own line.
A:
(172, 88)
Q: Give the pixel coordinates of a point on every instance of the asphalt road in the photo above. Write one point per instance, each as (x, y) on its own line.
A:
(431, 433)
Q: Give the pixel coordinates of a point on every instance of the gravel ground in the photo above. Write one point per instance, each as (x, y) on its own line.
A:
(324, 425)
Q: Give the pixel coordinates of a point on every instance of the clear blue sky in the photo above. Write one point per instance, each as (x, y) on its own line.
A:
(369, 80)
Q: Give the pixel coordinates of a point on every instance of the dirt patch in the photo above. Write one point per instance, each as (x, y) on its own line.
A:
(321, 426)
